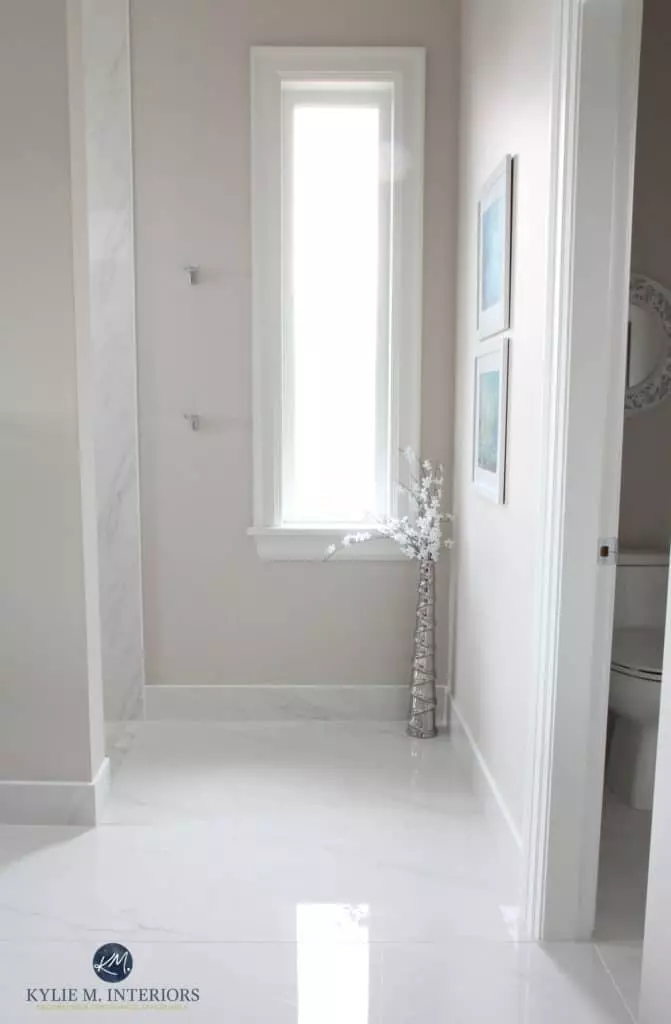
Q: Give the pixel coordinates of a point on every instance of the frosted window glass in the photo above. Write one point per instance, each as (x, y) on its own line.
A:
(333, 321)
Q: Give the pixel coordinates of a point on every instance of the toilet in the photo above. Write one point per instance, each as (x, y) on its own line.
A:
(636, 675)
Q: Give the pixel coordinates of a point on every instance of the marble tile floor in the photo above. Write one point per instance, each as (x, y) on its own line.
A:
(623, 877)
(314, 873)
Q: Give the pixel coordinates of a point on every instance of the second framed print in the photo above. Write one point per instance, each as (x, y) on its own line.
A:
(494, 250)
(490, 416)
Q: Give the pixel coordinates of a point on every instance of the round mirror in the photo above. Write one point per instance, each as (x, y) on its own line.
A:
(648, 344)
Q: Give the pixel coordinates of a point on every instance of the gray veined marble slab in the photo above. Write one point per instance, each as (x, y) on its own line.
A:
(106, 63)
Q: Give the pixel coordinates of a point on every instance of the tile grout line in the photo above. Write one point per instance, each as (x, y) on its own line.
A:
(615, 985)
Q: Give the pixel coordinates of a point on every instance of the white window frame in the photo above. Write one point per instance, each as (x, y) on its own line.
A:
(273, 70)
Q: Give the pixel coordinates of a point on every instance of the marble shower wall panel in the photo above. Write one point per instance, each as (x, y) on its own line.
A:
(106, 53)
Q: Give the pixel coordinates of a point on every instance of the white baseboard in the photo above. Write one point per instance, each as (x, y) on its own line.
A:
(275, 703)
(488, 779)
(55, 803)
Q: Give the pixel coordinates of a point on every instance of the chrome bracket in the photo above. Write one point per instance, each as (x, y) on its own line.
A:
(193, 419)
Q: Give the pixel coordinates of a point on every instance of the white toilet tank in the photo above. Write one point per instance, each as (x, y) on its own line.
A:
(640, 588)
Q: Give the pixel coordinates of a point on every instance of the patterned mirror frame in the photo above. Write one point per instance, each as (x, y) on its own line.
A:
(656, 387)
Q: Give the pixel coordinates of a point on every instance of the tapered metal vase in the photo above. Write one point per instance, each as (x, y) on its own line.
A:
(422, 716)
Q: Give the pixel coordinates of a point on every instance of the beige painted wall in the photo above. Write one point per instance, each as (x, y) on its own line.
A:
(645, 510)
(505, 108)
(214, 614)
(50, 685)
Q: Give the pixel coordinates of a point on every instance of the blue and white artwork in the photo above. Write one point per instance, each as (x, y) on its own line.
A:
(493, 224)
(488, 420)
(494, 250)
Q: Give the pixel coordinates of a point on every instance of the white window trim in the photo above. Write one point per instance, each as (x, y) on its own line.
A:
(309, 544)
(270, 66)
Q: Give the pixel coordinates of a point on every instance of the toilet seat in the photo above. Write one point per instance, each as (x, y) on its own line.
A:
(638, 652)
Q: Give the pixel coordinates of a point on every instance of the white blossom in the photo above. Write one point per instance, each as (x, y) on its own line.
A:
(421, 536)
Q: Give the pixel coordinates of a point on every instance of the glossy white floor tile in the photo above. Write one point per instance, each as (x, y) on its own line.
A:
(623, 961)
(311, 873)
(623, 871)
(347, 982)
(623, 879)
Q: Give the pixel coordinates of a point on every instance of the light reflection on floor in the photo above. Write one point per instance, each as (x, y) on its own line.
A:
(333, 963)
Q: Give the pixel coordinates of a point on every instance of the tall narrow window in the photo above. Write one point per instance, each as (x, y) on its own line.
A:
(337, 204)
(336, 297)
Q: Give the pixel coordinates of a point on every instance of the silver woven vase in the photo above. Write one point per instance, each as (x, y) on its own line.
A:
(422, 716)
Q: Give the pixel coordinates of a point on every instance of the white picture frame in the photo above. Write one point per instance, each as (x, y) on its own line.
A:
(495, 215)
(490, 419)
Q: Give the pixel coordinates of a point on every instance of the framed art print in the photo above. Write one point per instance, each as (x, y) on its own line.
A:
(494, 251)
(490, 410)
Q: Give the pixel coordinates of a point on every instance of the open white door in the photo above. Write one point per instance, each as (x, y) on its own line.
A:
(594, 141)
(655, 1001)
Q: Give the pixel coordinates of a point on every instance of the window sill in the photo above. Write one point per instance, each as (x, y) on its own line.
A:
(309, 544)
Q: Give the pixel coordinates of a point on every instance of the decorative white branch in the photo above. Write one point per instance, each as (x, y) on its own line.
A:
(420, 536)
